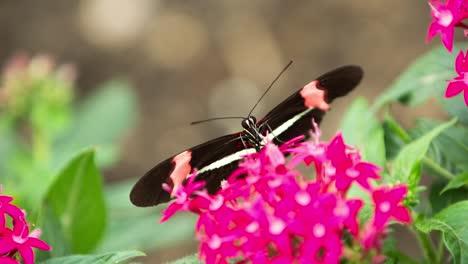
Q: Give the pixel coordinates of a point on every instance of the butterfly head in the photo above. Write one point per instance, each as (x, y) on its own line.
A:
(249, 122)
(251, 136)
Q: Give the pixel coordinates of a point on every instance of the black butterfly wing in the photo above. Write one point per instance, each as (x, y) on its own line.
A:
(292, 117)
(215, 159)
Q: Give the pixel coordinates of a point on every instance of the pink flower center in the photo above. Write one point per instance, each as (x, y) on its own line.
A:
(277, 226)
(18, 239)
(465, 80)
(352, 173)
(252, 227)
(275, 182)
(384, 207)
(215, 242)
(181, 197)
(316, 151)
(444, 17)
(318, 230)
(330, 170)
(216, 203)
(224, 184)
(302, 198)
(342, 211)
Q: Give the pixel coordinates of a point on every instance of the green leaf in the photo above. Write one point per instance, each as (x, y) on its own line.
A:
(53, 234)
(454, 145)
(450, 148)
(77, 200)
(456, 107)
(424, 78)
(193, 259)
(439, 200)
(107, 258)
(407, 164)
(132, 227)
(395, 137)
(452, 223)
(457, 182)
(101, 120)
(361, 128)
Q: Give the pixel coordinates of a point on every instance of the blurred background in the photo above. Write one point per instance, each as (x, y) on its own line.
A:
(194, 60)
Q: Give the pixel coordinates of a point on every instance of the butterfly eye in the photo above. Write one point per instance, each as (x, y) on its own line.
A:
(245, 124)
(253, 119)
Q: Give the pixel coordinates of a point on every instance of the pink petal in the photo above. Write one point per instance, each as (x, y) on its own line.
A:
(378, 195)
(454, 88)
(170, 211)
(465, 97)
(5, 199)
(27, 254)
(397, 194)
(37, 243)
(402, 214)
(447, 38)
(6, 245)
(274, 154)
(459, 63)
(380, 220)
(21, 228)
(7, 260)
(343, 183)
(15, 212)
(363, 182)
(432, 31)
(2, 222)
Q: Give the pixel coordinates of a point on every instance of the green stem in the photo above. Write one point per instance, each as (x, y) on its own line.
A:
(40, 148)
(440, 253)
(402, 258)
(437, 168)
(426, 245)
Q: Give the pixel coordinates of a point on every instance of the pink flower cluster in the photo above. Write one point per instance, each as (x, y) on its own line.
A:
(446, 16)
(459, 84)
(267, 212)
(19, 239)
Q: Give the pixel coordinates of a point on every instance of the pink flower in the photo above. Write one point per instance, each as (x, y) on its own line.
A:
(18, 239)
(346, 167)
(6, 208)
(347, 212)
(445, 17)
(387, 205)
(459, 84)
(267, 212)
(183, 194)
(371, 238)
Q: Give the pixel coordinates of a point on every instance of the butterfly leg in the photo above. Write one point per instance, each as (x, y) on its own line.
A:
(271, 131)
(243, 142)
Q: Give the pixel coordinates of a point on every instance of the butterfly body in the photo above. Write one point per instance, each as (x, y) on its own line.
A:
(216, 159)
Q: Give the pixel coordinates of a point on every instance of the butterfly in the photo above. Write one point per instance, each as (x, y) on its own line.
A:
(216, 159)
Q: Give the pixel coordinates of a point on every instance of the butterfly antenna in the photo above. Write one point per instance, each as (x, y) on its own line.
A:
(215, 118)
(269, 87)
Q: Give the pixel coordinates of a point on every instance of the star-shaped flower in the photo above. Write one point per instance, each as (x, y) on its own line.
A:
(459, 84)
(445, 17)
(388, 205)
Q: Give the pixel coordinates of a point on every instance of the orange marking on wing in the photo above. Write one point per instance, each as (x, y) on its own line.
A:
(181, 170)
(314, 97)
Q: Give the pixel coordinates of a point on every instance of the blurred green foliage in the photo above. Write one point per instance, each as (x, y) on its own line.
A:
(51, 151)
(431, 147)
